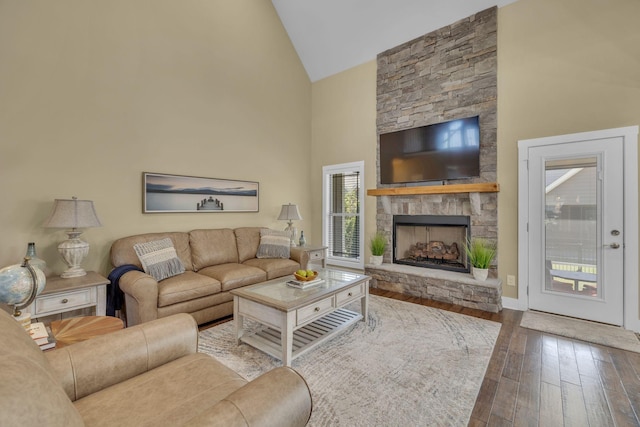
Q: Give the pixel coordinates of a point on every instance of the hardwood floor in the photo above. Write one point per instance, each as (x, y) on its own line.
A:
(538, 379)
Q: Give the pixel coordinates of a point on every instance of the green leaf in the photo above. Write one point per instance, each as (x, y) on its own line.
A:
(480, 252)
(378, 244)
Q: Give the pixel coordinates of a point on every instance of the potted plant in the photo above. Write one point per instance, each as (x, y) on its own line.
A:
(480, 252)
(378, 245)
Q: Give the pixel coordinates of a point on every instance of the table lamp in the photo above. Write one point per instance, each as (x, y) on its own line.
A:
(73, 214)
(290, 213)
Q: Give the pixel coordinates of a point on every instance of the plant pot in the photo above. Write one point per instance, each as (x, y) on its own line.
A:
(480, 274)
(376, 259)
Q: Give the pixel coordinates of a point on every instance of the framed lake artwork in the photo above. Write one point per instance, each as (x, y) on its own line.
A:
(164, 193)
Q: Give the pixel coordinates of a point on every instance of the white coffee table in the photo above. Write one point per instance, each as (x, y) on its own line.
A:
(294, 321)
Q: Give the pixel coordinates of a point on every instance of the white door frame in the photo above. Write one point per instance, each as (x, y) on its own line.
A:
(630, 143)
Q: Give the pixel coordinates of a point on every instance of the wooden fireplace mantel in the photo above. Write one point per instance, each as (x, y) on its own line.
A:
(482, 187)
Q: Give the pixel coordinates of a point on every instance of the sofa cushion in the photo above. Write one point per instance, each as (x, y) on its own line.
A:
(212, 247)
(274, 244)
(159, 258)
(275, 267)
(30, 395)
(185, 287)
(233, 276)
(248, 240)
(122, 251)
(168, 395)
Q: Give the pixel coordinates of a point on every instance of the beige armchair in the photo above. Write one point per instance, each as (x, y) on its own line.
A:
(146, 375)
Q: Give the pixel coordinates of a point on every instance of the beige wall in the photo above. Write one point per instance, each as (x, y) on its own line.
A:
(94, 93)
(563, 67)
(215, 89)
(344, 130)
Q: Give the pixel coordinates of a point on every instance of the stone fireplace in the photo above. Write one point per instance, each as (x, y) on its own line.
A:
(431, 241)
(447, 74)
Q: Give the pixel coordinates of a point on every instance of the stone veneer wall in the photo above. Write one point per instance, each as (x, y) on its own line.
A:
(447, 74)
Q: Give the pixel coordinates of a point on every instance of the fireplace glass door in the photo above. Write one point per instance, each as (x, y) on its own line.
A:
(431, 241)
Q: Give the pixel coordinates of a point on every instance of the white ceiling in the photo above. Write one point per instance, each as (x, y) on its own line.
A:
(331, 36)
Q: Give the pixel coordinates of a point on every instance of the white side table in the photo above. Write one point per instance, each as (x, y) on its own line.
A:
(63, 295)
(316, 253)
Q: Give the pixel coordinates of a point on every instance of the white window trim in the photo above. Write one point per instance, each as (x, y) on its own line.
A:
(332, 170)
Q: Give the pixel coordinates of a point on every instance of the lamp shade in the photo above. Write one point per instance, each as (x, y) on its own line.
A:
(290, 212)
(72, 213)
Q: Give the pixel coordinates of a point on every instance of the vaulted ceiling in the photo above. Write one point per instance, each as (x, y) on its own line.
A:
(331, 36)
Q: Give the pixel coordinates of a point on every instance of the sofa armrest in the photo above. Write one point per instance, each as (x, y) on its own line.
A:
(141, 297)
(90, 366)
(302, 257)
(281, 397)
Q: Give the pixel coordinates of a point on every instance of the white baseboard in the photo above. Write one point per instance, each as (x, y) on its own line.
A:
(511, 303)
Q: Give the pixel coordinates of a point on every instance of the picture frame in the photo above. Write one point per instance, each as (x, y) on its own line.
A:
(166, 193)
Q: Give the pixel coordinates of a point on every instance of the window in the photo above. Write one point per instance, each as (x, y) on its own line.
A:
(343, 216)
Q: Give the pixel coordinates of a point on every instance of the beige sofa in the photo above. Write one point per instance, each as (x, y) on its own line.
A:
(147, 375)
(216, 261)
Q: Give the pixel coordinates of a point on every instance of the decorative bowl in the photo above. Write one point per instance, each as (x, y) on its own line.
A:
(306, 278)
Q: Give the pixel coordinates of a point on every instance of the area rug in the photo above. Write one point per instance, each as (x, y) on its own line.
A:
(408, 365)
(611, 336)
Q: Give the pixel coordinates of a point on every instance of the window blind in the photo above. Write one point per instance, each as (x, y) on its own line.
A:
(344, 215)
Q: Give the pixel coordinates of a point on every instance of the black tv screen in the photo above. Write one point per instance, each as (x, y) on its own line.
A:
(449, 150)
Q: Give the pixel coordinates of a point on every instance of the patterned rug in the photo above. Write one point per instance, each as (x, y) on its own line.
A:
(409, 365)
(583, 330)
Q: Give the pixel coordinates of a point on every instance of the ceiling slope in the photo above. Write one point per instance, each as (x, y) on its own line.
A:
(331, 36)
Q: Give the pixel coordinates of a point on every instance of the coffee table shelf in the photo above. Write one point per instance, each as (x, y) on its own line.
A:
(293, 321)
(306, 338)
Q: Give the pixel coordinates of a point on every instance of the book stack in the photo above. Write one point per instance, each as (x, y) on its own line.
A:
(303, 285)
(42, 335)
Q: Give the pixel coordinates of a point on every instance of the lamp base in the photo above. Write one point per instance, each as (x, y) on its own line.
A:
(293, 232)
(73, 272)
(73, 251)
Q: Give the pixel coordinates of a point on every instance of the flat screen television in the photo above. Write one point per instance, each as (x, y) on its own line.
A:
(449, 150)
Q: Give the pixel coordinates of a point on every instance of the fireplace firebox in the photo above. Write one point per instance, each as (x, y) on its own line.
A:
(431, 241)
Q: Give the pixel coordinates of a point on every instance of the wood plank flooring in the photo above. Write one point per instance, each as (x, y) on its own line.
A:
(538, 379)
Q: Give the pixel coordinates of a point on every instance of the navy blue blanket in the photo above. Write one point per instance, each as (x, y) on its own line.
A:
(115, 296)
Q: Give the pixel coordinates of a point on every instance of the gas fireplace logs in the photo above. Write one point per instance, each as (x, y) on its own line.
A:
(434, 250)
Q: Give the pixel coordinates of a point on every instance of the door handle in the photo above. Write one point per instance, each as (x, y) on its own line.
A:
(612, 246)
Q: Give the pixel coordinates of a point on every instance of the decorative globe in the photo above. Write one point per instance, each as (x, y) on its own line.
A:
(16, 283)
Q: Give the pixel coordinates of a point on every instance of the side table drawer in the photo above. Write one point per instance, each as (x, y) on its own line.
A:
(349, 294)
(314, 311)
(65, 301)
(316, 254)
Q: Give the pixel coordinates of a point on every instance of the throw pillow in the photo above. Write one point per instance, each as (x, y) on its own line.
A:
(274, 244)
(159, 258)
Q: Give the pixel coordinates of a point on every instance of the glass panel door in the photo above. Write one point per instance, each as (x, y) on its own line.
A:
(575, 237)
